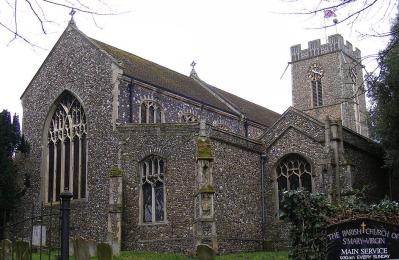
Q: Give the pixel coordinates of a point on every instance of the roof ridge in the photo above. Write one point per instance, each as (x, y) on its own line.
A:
(222, 98)
(157, 64)
(190, 87)
(219, 89)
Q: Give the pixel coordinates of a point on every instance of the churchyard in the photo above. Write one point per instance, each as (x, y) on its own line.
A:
(127, 255)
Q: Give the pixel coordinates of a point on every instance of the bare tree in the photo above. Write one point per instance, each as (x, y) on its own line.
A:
(348, 12)
(41, 15)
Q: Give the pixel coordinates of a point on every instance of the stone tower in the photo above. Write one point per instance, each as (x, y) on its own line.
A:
(327, 80)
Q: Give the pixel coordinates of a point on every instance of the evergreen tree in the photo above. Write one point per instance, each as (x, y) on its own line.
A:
(10, 142)
(384, 96)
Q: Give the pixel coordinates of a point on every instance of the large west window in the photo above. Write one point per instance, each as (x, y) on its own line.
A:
(66, 150)
(153, 189)
(293, 172)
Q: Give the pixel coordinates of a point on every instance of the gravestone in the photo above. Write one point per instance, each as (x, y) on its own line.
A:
(92, 247)
(104, 251)
(205, 252)
(22, 250)
(81, 249)
(71, 246)
(6, 249)
(39, 235)
(362, 239)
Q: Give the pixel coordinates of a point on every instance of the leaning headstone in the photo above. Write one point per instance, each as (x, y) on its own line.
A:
(205, 252)
(92, 247)
(104, 251)
(81, 249)
(71, 246)
(39, 235)
(6, 249)
(116, 246)
(22, 250)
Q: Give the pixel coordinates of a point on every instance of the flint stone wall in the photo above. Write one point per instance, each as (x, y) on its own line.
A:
(75, 65)
(132, 94)
(294, 133)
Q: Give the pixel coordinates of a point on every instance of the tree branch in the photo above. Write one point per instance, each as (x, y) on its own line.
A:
(78, 9)
(349, 16)
(17, 35)
(37, 16)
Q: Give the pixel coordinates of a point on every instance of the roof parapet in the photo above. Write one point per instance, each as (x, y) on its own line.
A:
(334, 43)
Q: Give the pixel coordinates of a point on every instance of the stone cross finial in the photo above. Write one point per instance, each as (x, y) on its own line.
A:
(72, 12)
(193, 73)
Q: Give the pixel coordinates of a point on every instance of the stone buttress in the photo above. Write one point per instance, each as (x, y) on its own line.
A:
(336, 166)
(114, 235)
(204, 215)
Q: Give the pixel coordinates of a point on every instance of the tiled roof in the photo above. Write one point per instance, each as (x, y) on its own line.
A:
(251, 110)
(162, 77)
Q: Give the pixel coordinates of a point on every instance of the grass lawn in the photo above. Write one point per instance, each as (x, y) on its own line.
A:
(127, 255)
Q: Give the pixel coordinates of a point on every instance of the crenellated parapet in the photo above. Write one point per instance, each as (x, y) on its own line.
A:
(315, 48)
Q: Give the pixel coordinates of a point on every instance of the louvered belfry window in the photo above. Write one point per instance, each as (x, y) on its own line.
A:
(317, 92)
(67, 150)
(153, 189)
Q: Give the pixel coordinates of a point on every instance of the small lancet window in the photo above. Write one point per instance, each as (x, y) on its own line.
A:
(153, 189)
(66, 150)
(293, 172)
(151, 112)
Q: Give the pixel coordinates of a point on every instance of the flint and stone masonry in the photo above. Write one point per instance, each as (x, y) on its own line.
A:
(172, 162)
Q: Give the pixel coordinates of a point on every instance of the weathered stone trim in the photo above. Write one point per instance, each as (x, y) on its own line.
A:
(319, 140)
(236, 140)
(285, 114)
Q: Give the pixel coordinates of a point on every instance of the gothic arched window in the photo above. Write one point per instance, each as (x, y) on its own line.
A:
(293, 172)
(67, 150)
(153, 189)
(151, 112)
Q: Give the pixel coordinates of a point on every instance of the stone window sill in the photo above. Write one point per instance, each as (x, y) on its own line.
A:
(153, 223)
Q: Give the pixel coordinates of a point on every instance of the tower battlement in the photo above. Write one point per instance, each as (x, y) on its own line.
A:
(315, 48)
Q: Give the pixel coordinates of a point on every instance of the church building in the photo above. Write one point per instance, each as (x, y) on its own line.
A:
(160, 161)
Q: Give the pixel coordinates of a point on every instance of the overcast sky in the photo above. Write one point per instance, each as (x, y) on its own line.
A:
(239, 46)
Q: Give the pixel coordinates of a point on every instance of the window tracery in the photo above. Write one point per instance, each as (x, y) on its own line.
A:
(67, 150)
(188, 118)
(293, 172)
(151, 112)
(153, 189)
(222, 126)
